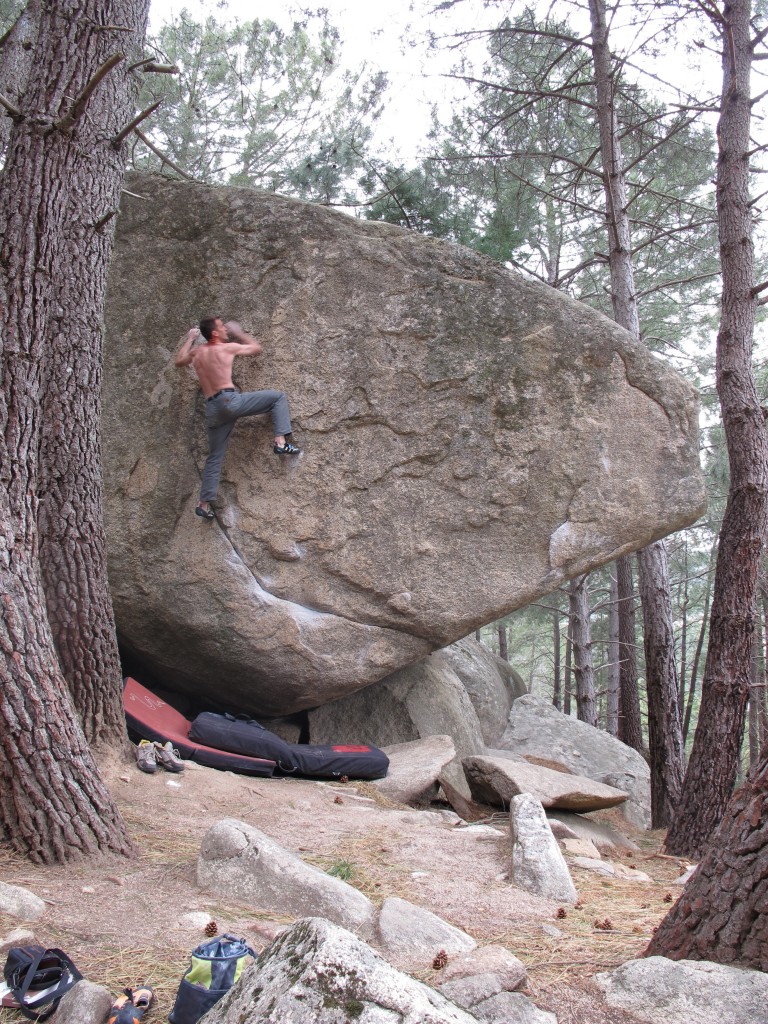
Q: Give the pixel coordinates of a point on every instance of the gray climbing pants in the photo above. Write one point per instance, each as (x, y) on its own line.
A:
(222, 412)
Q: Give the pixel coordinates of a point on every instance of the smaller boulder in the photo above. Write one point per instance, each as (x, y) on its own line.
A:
(580, 848)
(18, 937)
(605, 867)
(662, 991)
(410, 934)
(538, 866)
(238, 860)
(496, 780)
(609, 840)
(414, 769)
(18, 902)
(472, 989)
(85, 1003)
(512, 1008)
(537, 729)
(496, 960)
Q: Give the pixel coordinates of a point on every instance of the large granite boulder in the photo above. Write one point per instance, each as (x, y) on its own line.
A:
(472, 439)
(491, 684)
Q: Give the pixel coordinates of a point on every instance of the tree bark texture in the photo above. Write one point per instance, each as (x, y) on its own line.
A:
(721, 914)
(665, 734)
(714, 757)
(630, 724)
(16, 54)
(58, 193)
(612, 706)
(583, 668)
(557, 696)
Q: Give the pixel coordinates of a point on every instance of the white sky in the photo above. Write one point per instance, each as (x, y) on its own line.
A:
(371, 32)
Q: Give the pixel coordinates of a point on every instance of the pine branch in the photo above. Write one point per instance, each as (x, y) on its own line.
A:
(163, 157)
(118, 139)
(78, 107)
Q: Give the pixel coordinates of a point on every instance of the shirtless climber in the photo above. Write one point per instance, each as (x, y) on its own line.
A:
(224, 404)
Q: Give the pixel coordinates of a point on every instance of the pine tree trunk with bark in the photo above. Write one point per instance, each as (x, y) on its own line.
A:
(714, 757)
(59, 193)
(630, 724)
(583, 668)
(623, 294)
(612, 707)
(665, 734)
(721, 915)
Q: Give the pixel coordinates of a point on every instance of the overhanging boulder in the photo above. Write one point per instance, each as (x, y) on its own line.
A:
(471, 440)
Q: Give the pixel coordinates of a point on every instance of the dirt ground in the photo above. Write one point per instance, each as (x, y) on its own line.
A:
(120, 919)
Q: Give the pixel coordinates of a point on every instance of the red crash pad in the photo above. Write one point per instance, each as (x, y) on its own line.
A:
(153, 719)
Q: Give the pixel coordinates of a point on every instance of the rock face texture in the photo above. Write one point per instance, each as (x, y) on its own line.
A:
(662, 991)
(471, 440)
(319, 972)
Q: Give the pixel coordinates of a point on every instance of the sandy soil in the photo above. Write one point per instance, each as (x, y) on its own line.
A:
(120, 919)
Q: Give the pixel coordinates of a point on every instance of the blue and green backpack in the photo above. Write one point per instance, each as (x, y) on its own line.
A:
(214, 967)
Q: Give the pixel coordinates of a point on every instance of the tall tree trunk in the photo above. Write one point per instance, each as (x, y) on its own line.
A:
(612, 712)
(59, 191)
(715, 754)
(665, 734)
(568, 678)
(623, 294)
(699, 646)
(721, 915)
(630, 725)
(583, 668)
(557, 696)
(502, 632)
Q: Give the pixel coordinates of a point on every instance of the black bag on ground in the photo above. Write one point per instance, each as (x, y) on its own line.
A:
(38, 977)
(245, 736)
(214, 967)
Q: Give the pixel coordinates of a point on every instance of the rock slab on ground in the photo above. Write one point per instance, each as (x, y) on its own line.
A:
(661, 991)
(242, 862)
(495, 780)
(471, 439)
(536, 728)
(319, 972)
(414, 768)
(407, 933)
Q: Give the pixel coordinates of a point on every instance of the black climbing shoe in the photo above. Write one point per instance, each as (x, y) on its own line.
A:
(205, 513)
(286, 449)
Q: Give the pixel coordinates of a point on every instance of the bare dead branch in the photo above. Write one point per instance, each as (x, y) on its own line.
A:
(9, 107)
(100, 223)
(677, 281)
(78, 107)
(121, 135)
(160, 69)
(163, 157)
(759, 288)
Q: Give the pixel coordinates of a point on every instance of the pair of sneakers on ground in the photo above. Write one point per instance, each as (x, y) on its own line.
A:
(131, 1006)
(151, 755)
